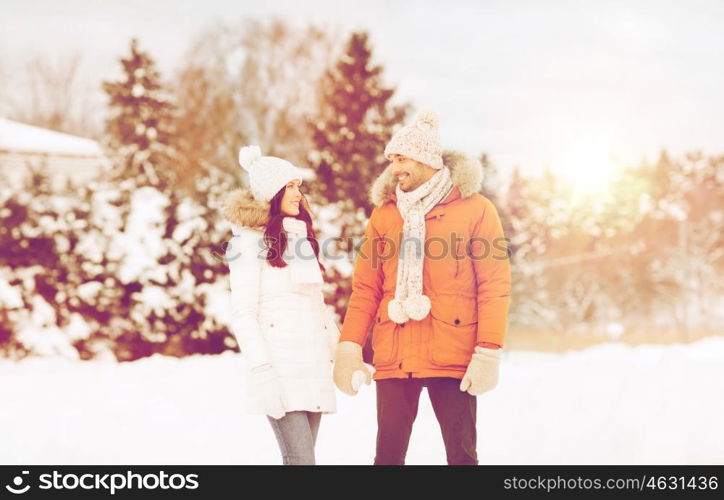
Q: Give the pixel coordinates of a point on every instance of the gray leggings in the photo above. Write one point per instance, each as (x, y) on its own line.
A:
(296, 433)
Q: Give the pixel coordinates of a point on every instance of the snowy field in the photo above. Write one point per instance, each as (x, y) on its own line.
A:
(605, 405)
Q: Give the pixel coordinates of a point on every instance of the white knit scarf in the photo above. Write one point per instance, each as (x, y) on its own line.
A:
(409, 302)
(299, 254)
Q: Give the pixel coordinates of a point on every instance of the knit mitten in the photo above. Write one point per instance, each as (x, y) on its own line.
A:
(266, 388)
(349, 369)
(482, 373)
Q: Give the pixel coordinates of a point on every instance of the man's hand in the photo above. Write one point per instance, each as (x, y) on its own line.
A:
(349, 369)
(482, 373)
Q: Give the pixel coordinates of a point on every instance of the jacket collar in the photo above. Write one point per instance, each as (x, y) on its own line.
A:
(466, 174)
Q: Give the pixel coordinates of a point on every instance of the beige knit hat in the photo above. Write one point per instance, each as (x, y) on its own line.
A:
(420, 140)
(267, 174)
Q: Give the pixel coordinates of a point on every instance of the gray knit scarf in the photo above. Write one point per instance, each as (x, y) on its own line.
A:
(409, 302)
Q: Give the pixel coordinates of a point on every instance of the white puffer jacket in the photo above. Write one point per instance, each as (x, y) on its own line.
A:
(293, 331)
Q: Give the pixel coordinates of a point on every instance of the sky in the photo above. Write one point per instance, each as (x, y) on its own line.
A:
(580, 87)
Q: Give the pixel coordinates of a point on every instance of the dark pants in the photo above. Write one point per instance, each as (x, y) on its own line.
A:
(397, 402)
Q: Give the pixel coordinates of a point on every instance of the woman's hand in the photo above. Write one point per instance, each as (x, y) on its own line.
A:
(265, 383)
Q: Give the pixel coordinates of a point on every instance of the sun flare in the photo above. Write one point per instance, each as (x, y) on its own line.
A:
(589, 172)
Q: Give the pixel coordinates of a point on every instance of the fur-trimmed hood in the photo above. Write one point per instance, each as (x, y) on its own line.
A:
(241, 208)
(466, 173)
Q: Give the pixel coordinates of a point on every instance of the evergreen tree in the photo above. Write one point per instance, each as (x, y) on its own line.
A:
(354, 124)
(140, 127)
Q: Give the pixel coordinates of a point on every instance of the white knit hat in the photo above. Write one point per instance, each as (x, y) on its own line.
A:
(267, 174)
(420, 140)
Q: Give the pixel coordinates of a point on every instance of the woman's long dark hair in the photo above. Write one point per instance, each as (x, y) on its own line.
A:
(275, 238)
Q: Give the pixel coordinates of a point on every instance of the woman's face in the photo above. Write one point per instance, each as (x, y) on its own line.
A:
(292, 197)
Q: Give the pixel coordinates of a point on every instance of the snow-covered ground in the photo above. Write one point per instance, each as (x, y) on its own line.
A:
(604, 405)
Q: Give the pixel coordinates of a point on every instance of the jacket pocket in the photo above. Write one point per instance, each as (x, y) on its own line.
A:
(384, 338)
(454, 331)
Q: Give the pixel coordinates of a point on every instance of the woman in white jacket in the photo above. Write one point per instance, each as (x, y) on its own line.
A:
(280, 321)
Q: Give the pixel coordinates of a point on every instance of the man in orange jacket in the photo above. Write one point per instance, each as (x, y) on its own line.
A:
(432, 279)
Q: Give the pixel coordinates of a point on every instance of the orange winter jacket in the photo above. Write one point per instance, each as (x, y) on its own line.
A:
(466, 275)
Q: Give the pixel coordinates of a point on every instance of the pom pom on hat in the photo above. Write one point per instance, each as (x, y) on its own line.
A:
(427, 117)
(248, 155)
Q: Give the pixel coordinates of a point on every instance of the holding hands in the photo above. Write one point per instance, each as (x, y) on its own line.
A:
(350, 372)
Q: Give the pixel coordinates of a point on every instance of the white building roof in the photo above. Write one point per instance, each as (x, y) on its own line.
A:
(19, 138)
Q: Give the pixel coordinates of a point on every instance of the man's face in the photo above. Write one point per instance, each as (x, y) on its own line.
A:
(409, 174)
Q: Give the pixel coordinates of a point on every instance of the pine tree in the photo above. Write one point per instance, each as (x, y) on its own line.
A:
(354, 124)
(141, 124)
